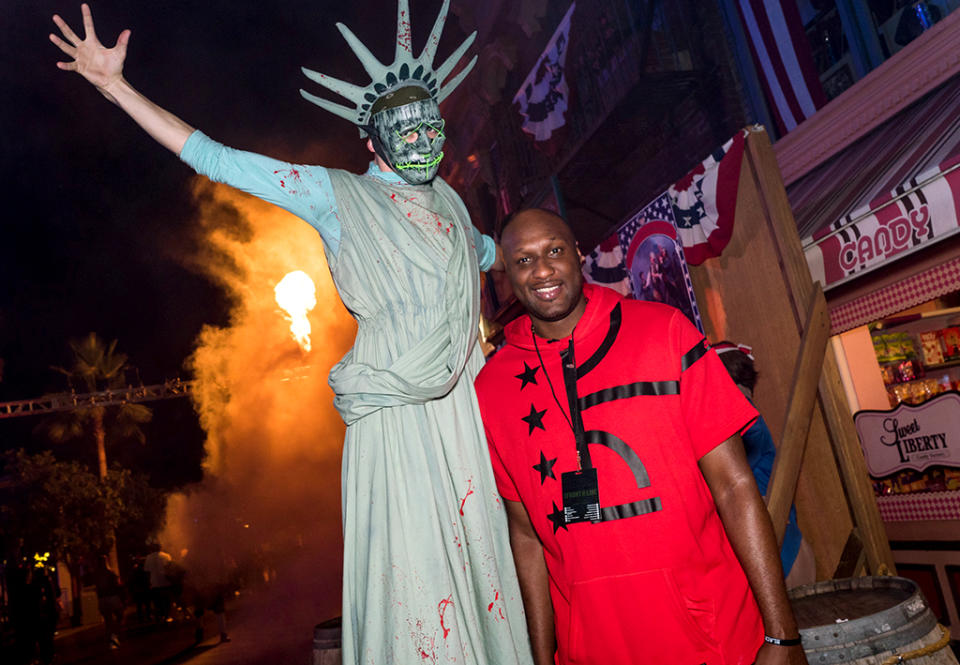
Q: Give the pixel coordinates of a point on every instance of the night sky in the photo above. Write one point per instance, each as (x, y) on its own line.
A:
(101, 215)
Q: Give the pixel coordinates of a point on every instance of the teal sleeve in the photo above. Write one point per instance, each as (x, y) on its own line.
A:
(305, 191)
(486, 249)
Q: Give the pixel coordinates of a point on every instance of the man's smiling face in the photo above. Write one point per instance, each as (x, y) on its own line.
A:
(543, 264)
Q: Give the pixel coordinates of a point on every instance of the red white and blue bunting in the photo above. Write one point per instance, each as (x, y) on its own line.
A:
(692, 221)
(705, 201)
(645, 260)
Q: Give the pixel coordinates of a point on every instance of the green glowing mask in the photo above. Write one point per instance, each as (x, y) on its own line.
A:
(410, 139)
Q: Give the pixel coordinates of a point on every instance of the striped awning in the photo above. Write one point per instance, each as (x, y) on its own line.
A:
(895, 191)
(903, 294)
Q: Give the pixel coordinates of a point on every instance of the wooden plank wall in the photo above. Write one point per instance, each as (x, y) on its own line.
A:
(757, 293)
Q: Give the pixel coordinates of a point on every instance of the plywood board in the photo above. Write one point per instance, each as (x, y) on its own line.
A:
(756, 294)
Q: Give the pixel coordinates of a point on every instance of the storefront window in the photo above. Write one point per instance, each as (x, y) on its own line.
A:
(828, 44)
(878, 28)
(899, 22)
(919, 358)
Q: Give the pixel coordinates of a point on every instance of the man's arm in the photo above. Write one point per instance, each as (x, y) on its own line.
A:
(534, 585)
(255, 174)
(748, 528)
(103, 67)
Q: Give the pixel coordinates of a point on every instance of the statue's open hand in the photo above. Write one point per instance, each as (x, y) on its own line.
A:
(100, 65)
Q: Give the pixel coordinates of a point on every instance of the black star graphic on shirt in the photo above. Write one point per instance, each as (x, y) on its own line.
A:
(557, 518)
(528, 375)
(545, 467)
(535, 419)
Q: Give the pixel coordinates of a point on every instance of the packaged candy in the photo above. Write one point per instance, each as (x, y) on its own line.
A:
(880, 348)
(901, 393)
(910, 370)
(952, 477)
(889, 374)
(945, 383)
(894, 347)
(892, 398)
(951, 342)
(936, 480)
(931, 349)
(907, 346)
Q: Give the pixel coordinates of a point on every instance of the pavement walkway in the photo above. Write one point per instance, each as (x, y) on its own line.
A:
(271, 626)
(142, 644)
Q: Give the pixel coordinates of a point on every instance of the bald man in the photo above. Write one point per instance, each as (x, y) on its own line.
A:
(637, 529)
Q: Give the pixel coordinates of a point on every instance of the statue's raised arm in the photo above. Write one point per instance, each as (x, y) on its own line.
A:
(103, 67)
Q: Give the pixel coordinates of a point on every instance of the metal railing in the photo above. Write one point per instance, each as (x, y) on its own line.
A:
(70, 401)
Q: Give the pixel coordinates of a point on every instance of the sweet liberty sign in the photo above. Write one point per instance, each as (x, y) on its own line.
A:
(911, 437)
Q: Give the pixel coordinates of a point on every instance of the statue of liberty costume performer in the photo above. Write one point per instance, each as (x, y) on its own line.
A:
(428, 570)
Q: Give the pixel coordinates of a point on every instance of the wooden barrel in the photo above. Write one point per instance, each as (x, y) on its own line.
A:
(326, 643)
(866, 620)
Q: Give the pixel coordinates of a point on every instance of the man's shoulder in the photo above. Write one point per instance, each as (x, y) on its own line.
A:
(652, 319)
(496, 370)
(648, 309)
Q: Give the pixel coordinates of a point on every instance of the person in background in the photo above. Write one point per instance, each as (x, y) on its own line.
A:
(157, 566)
(138, 588)
(110, 600)
(796, 555)
(46, 594)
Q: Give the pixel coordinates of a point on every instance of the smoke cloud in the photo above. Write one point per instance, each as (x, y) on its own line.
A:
(268, 508)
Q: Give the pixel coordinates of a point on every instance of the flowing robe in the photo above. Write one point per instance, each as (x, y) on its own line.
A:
(428, 571)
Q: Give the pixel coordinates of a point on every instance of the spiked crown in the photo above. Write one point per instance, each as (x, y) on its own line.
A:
(404, 71)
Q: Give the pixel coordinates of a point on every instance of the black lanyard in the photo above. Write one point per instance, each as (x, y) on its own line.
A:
(575, 420)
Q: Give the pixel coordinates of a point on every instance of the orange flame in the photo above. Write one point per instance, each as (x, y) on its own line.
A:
(297, 295)
(273, 436)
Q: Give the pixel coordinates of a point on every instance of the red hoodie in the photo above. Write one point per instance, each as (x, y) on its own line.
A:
(656, 581)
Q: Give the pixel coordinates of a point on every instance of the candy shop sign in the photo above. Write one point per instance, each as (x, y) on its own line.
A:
(911, 437)
(885, 241)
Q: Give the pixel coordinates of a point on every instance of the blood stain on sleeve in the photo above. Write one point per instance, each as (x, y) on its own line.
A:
(292, 175)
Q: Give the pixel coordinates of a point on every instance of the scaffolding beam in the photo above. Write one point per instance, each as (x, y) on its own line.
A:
(70, 401)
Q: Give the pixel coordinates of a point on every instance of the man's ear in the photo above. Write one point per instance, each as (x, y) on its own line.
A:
(580, 255)
(370, 145)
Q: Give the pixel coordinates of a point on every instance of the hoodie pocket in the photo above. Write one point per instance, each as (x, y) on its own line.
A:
(638, 618)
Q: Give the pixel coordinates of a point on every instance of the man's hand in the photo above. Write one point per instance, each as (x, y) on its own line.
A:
(101, 66)
(534, 585)
(771, 654)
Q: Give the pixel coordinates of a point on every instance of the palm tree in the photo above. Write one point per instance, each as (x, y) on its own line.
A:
(97, 367)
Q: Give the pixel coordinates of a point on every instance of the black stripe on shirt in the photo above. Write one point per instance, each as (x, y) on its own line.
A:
(616, 318)
(626, 391)
(698, 351)
(633, 509)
